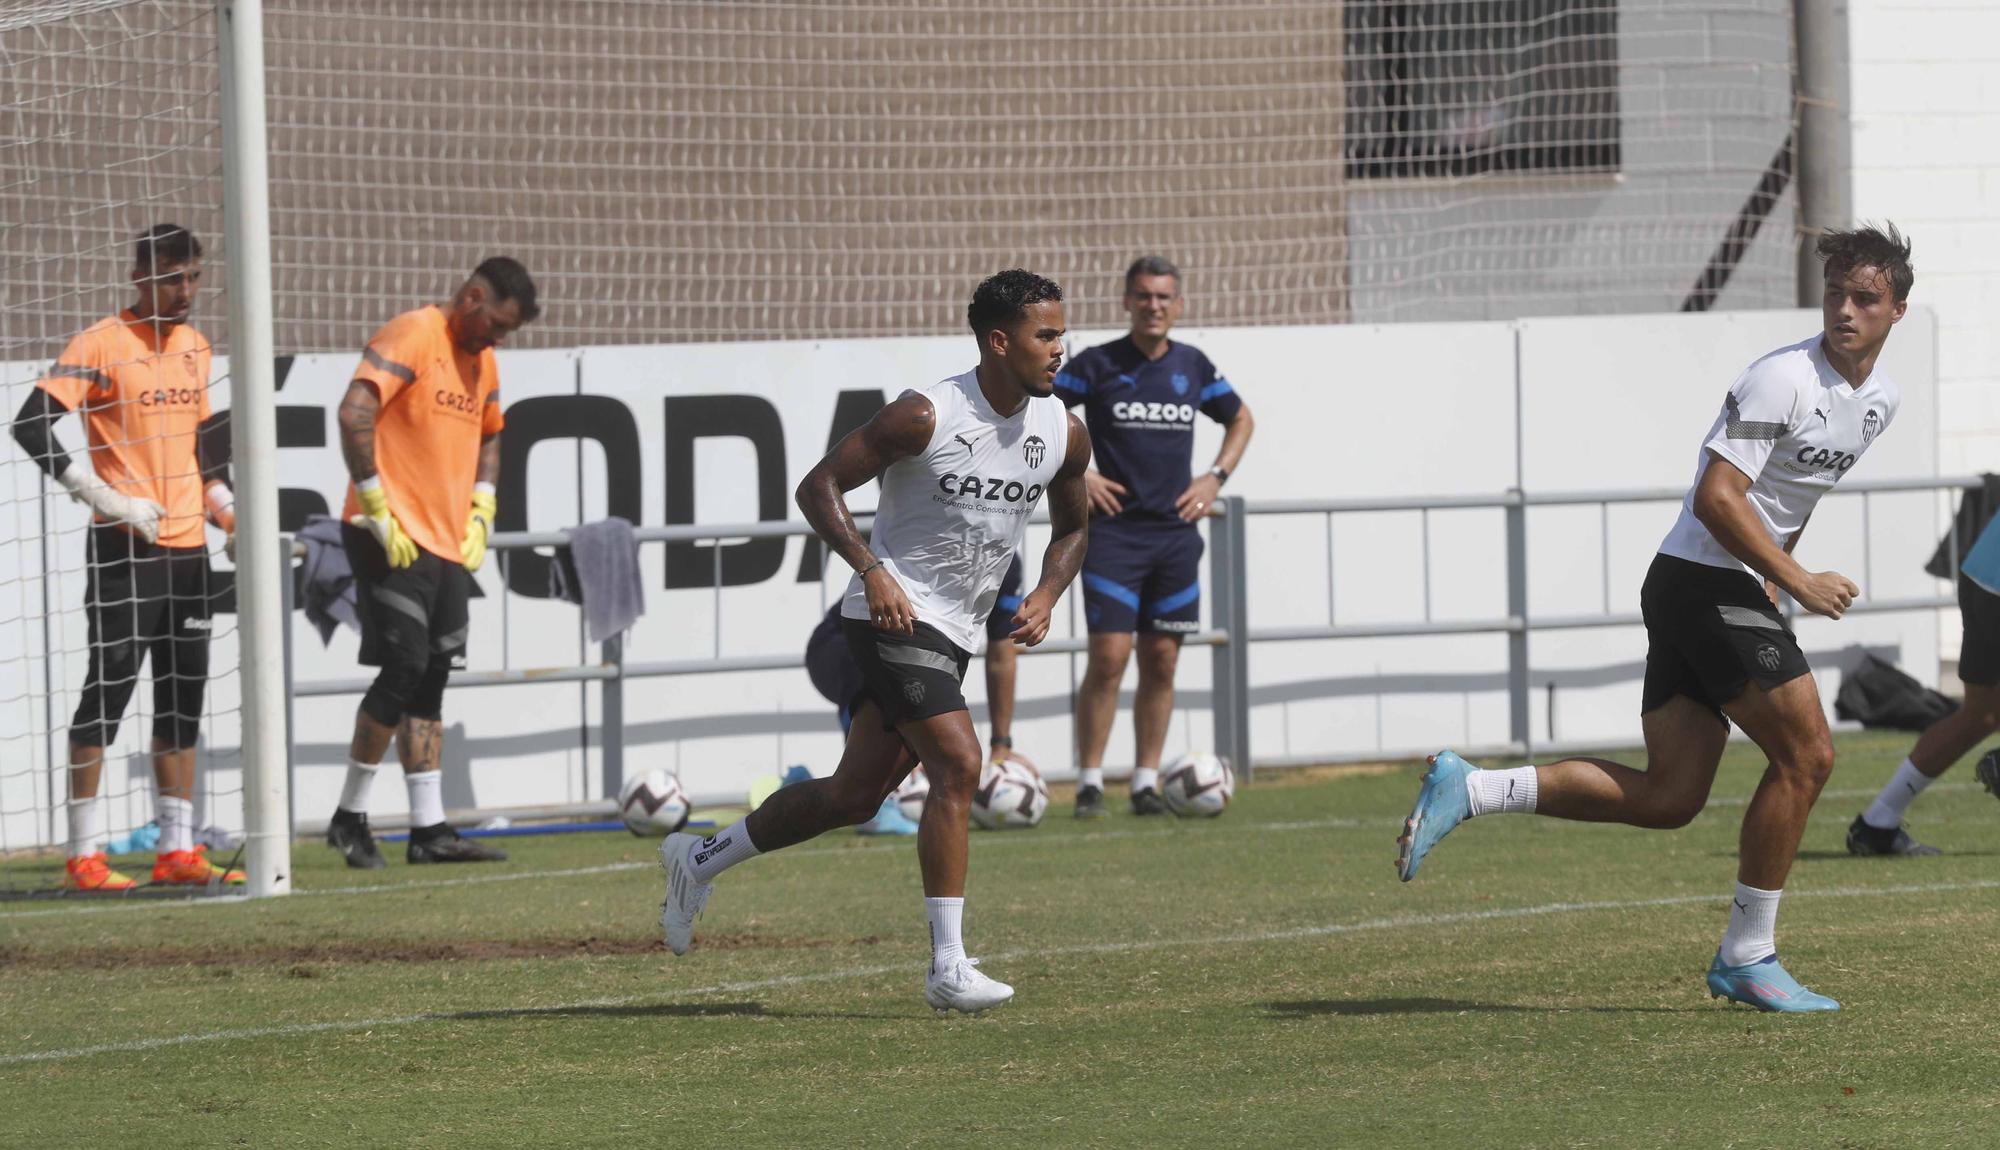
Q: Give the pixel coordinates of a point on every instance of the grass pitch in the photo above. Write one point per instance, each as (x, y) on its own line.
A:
(1257, 979)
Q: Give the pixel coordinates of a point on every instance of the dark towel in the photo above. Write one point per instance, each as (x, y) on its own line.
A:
(1880, 695)
(326, 581)
(600, 570)
(1975, 507)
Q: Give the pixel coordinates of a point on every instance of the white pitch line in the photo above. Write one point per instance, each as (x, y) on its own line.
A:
(984, 841)
(1450, 918)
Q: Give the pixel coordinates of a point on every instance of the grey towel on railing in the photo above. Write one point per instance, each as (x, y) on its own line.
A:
(326, 581)
(600, 570)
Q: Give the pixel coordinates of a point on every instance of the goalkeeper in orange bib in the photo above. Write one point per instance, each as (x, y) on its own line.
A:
(420, 431)
(140, 381)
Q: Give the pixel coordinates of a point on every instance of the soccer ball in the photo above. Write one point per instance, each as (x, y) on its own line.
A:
(1197, 785)
(911, 794)
(1010, 794)
(653, 804)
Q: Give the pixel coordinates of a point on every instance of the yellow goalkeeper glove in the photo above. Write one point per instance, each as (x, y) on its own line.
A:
(375, 517)
(478, 526)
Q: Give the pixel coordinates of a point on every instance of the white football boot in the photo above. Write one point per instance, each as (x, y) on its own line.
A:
(961, 987)
(685, 894)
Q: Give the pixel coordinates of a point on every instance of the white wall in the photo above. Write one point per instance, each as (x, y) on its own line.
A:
(1925, 90)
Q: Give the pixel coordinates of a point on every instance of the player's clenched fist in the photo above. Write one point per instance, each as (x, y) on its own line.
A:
(375, 516)
(1827, 593)
(1031, 622)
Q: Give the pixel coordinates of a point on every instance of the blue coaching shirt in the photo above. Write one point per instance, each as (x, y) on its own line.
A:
(1140, 413)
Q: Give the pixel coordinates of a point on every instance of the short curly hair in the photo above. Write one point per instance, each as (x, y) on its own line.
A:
(1002, 299)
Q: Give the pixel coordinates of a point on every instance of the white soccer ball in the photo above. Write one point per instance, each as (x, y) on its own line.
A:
(1197, 785)
(653, 804)
(1010, 794)
(911, 794)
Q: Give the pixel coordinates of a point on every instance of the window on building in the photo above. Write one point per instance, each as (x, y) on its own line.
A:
(1465, 87)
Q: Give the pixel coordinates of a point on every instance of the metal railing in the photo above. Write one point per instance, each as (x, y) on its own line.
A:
(614, 666)
(1230, 637)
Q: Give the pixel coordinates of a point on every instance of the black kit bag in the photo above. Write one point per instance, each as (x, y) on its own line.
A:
(1878, 694)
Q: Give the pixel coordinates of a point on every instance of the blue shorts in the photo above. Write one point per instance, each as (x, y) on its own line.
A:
(1142, 576)
(1000, 623)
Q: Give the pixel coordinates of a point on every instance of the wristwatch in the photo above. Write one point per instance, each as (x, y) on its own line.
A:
(1221, 473)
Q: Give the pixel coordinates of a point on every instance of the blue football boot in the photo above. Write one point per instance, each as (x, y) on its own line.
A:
(1441, 805)
(889, 820)
(1766, 986)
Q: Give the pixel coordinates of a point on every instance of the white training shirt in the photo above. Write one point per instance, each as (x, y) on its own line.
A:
(1794, 426)
(950, 518)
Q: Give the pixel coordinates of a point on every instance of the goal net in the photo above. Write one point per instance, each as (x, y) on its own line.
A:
(716, 170)
(110, 130)
(746, 171)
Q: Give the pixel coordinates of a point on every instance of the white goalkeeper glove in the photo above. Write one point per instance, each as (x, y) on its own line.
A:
(142, 516)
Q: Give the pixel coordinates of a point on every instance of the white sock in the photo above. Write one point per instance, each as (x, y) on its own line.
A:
(946, 915)
(426, 798)
(1509, 792)
(717, 853)
(1753, 926)
(176, 824)
(354, 792)
(1145, 778)
(1886, 812)
(1091, 777)
(86, 827)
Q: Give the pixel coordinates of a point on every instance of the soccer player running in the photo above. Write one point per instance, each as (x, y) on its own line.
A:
(1139, 396)
(140, 379)
(834, 673)
(1792, 424)
(420, 431)
(962, 464)
(1879, 829)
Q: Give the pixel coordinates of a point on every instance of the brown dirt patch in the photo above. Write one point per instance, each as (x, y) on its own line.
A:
(303, 957)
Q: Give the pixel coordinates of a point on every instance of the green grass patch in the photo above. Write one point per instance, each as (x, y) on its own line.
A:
(1257, 979)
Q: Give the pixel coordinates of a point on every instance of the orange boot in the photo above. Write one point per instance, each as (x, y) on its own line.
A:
(192, 868)
(92, 872)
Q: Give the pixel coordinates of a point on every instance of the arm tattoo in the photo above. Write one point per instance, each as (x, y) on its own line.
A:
(357, 429)
(1069, 515)
(489, 459)
(899, 431)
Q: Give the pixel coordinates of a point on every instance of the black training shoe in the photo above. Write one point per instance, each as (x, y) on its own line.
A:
(1089, 802)
(1148, 802)
(348, 833)
(1988, 772)
(1863, 839)
(441, 844)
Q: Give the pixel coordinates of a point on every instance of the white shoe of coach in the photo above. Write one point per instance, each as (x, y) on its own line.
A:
(961, 987)
(685, 894)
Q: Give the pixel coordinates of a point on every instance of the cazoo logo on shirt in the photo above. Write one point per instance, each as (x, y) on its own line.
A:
(989, 489)
(1153, 413)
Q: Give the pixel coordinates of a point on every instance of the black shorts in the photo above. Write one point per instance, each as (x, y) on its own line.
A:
(832, 669)
(910, 677)
(1709, 633)
(142, 599)
(412, 616)
(1979, 646)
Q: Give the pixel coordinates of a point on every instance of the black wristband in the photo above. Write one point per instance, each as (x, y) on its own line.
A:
(1220, 472)
(1006, 741)
(870, 567)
